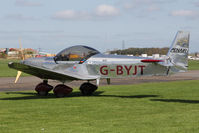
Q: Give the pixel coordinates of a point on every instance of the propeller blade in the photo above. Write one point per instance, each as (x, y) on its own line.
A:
(18, 75)
(22, 55)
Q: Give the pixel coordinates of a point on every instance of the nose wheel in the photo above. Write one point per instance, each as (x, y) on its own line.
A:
(88, 89)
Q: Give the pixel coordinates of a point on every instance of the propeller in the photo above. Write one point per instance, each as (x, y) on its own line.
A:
(18, 75)
(22, 57)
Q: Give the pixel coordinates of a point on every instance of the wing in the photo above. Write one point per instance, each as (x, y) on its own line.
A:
(45, 73)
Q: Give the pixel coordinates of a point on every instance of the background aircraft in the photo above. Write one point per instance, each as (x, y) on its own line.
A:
(85, 63)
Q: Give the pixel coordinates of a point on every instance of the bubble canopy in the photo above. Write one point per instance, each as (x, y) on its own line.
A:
(76, 53)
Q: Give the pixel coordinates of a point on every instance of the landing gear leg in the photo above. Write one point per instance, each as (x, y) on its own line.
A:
(43, 88)
(87, 89)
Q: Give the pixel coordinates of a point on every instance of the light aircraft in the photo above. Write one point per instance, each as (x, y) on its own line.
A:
(85, 63)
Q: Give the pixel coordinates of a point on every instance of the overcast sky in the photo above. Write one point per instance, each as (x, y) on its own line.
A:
(53, 25)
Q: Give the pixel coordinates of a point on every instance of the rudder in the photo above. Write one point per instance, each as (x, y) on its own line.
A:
(178, 53)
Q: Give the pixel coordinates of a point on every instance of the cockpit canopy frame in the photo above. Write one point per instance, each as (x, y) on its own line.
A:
(76, 53)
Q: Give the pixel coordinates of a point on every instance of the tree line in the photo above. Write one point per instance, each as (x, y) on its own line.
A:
(139, 51)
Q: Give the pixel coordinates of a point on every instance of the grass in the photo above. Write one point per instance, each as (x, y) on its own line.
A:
(193, 65)
(168, 107)
(5, 71)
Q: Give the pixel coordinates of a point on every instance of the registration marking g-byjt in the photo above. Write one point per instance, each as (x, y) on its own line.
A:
(121, 70)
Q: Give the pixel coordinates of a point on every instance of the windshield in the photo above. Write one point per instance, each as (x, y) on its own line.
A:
(76, 53)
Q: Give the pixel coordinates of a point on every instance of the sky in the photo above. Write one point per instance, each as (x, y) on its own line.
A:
(52, 25)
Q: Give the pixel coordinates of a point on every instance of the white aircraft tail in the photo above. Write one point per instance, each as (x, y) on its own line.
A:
(178, 53)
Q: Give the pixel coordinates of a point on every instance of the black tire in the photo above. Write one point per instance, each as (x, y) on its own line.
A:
(42, 93)
(60, 95)
(42, 89)
(87, 89)
(62, 90)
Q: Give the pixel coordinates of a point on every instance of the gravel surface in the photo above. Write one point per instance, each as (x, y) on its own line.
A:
(29, 83)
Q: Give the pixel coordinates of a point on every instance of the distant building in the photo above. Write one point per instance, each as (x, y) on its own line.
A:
(143, 55)
(156, 56)
(44, 54)
(2, 50)
(17, 53)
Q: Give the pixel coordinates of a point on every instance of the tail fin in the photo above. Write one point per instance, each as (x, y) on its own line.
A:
(178, 53)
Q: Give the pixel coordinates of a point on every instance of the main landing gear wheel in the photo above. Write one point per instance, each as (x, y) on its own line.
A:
(62, 90)
(43, 88)
(87, 89)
